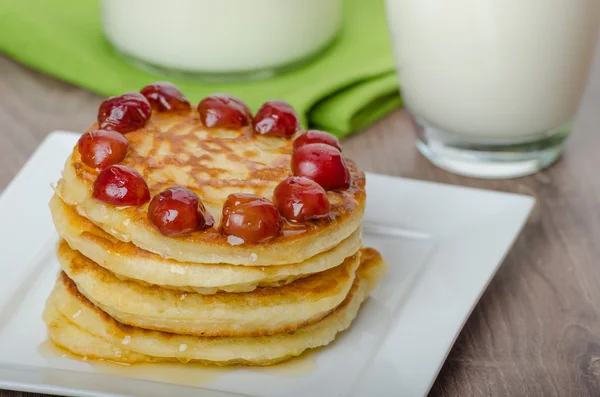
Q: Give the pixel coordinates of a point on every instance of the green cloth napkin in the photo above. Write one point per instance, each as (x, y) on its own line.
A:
(346, 89)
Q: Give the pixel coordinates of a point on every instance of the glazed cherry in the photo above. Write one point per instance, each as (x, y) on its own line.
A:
(315, 136)
(224, 111)
(323, 164)
(301, 199)
(276, 118)
(252, 218)
(177, 211)
(101, 148)
(124, 113)
(121, 185)
(166, 97)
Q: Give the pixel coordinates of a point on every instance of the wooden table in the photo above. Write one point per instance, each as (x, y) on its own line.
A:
(536, 330)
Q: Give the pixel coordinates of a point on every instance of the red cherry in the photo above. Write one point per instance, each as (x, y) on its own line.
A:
(252, 218)
(323, 164)
(300, 199)
(124, 113)
(315, 136)
(224, 111)
(177, 211)
(165, 97)
(276, 118)
(101, 148)
(121, 185)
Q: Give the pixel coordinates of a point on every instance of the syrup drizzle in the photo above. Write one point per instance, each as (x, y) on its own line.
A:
(190, 374)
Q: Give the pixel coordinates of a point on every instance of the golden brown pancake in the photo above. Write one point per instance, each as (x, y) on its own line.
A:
(77, 325)
(127, 260)
(264, 311)
(174, 149)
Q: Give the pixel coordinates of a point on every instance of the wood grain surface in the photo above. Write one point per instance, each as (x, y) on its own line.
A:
(536, 330)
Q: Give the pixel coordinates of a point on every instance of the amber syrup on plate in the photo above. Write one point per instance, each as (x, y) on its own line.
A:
(185, 374)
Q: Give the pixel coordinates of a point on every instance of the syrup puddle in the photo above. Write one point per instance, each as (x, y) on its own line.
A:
(301, 365)
(190, 374)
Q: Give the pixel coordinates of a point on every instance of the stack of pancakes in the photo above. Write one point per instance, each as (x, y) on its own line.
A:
(127, 293)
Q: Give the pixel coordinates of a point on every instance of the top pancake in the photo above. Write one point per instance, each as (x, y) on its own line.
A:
(174, 149)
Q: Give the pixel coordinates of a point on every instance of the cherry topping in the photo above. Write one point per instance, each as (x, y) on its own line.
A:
(224, 111)
(300, 199)
(315, 136)
(121, 185)
(177, 211)
(252, 218)
(323, 164)
(101, 148)
(276, 118)
(124, 113)
(165, 97)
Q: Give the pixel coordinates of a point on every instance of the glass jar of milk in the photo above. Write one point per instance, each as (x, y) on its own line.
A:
(221, 39)
(493, 85)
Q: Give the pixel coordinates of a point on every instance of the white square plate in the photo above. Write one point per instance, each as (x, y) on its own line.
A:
(443, 245)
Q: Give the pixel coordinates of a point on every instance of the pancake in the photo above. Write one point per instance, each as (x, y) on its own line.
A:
(175, 149)
(129, 261)
(64, 333)
(264, 311)
(75, 324)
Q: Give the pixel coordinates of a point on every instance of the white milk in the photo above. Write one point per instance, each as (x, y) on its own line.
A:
(220, 35)
(493, 70)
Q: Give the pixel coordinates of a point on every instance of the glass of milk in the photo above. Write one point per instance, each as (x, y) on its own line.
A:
(493, 85)
(221, 39)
